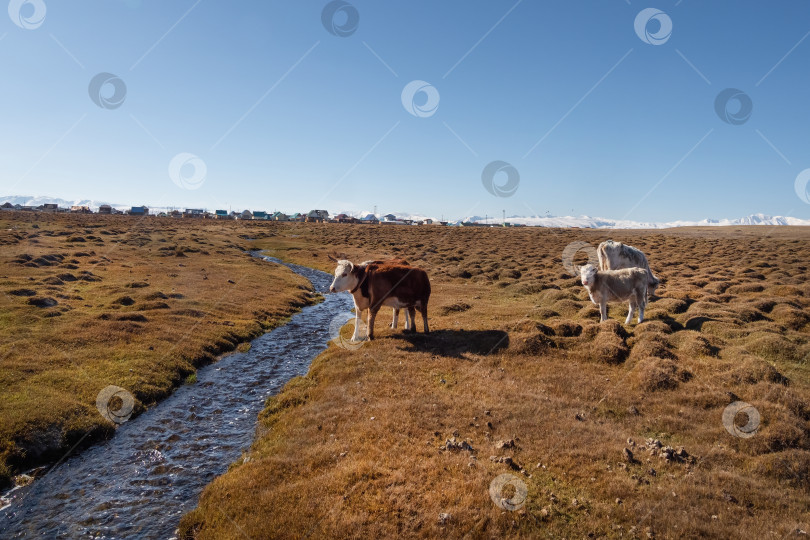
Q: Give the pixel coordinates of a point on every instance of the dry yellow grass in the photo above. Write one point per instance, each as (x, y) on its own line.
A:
(355, 448)
(91, 301)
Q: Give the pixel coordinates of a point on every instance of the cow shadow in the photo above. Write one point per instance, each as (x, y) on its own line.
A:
(455, 343)
(696, 323)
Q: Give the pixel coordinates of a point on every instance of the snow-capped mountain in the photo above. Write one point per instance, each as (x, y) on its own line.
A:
(606, 223)
(28, 200)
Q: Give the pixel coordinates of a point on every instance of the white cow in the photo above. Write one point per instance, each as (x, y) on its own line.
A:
(615, 256)
(627, 284)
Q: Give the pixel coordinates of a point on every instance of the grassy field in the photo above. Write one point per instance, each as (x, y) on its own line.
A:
(92, 301)
(409, 434)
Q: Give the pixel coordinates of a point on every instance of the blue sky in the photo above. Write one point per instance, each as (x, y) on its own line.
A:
(285, 115)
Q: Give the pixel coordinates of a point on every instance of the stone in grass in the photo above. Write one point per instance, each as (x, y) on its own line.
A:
(500, 445)
(454, 444)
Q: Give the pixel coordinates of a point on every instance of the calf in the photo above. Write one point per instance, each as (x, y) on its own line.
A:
(378, 284)
(615, 256)
(616, 286)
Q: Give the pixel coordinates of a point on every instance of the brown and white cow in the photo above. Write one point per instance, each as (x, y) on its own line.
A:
(363, 304)
(615, 256)
(381, 283)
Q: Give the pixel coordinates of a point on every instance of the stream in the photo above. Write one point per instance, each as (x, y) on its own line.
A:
(142, 480)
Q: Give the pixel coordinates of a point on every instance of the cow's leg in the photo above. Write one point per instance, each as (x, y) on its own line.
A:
(358, 322)
(630, 312)
(396, 319)
(410, 326)
(602, 311)
(372, 314)
(641, 305)
(423, 311)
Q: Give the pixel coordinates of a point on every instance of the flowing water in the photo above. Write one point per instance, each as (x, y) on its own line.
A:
(140, 482)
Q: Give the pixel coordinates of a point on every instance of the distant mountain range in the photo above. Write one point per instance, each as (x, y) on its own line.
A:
(587, 222)
(606, 223)
(27, 200)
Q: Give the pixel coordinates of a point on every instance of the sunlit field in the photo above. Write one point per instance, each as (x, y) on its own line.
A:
(693, 423)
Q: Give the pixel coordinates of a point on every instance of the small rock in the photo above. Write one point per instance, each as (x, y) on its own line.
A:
(500, 445)
(453, 444)
(444, 518)
(552, 497)
(487, 413)
(343, 454)
(231, 281)
(632, 410)
(618, 500)
(631, 442)
(574, 502)
(544, 511)
(579, 417)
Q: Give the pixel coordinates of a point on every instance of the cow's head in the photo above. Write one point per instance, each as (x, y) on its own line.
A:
(345, 276)
(587, 274)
